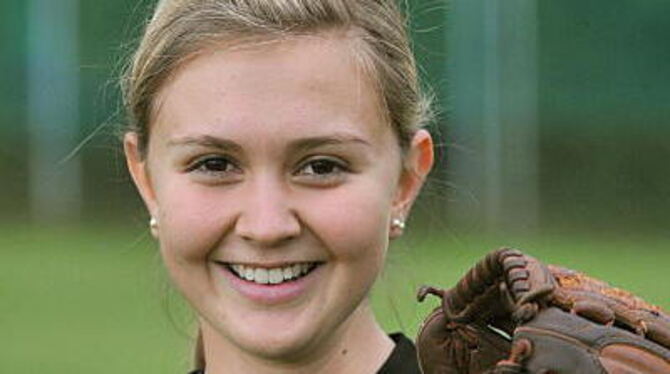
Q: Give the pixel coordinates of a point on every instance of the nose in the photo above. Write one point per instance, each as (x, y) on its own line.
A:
(267, 219)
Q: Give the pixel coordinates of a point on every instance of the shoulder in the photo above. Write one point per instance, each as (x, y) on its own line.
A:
(403, 359)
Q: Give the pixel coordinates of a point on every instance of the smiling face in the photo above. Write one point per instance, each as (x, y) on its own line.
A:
(274, 178)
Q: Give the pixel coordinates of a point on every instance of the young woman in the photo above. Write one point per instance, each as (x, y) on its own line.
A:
(277, 145)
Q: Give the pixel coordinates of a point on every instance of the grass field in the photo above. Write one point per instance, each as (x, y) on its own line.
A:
(97, 301)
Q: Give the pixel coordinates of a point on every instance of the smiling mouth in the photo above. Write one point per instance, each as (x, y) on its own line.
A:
(271, 276)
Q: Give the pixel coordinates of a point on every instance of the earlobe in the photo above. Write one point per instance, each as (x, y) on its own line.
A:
(418, 163)
(138, 171)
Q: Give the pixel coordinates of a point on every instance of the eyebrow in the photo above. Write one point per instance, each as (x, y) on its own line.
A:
(302, 144)
(306, 144)
(207, 141)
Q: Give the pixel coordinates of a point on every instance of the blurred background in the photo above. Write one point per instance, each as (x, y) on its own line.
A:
(553, 127)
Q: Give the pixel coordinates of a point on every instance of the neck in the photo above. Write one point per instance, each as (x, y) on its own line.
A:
(359, 346)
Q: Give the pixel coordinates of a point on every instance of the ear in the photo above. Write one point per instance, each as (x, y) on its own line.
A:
(417, 165)
(137, 166)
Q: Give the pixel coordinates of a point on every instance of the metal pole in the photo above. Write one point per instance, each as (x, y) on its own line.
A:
(53, 110)
(492, 122)
(493, 75)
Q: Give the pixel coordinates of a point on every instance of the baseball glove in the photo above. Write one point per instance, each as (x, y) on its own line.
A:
(512, 314)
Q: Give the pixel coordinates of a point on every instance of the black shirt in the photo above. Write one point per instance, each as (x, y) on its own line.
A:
(401, 361)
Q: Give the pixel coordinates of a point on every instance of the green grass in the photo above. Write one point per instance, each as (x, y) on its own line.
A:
(97, 301)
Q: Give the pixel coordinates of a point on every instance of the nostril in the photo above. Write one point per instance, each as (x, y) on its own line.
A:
(266, 216)
(268, 230)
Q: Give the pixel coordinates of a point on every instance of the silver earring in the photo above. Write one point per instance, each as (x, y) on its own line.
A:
(398, 223)
(153, 223)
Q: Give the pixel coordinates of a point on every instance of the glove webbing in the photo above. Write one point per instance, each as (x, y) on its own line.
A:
(469, 299)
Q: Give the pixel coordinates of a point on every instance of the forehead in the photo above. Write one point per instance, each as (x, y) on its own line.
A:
(307, 84)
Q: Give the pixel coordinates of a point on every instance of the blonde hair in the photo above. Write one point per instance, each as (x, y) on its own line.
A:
(180, 29)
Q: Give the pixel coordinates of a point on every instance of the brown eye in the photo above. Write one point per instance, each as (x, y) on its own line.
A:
(213, 165)
(322, 171)
(320, 167)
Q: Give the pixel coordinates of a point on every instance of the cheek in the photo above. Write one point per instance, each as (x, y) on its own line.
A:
(191, 220)
(352, 221)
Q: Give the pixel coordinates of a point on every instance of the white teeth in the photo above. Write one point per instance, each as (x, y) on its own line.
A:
(261, 276)
(271, 276)
(248, 274)
(275, 276)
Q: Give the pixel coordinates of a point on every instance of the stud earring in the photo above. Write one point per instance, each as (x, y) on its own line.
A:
(153, 223)
(398, 223)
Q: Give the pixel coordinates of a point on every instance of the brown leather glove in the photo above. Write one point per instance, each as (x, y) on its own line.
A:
(512, 314)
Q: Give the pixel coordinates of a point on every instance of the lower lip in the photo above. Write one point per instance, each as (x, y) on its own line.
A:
(270, 293)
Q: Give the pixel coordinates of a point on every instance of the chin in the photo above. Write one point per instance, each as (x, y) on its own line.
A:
(276, 345)
(272, 336)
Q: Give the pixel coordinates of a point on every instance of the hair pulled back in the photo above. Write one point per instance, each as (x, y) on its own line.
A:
(180, 29)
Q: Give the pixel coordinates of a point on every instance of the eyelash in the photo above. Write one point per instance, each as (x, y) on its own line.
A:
(336, 169)
(340, 169)
(200, 165)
